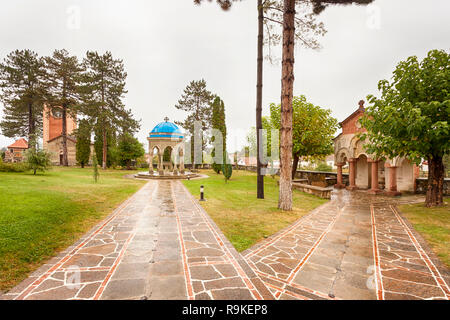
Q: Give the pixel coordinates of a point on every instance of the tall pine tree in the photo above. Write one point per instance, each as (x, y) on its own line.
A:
(102, 94)
(64, 83)
(196, 100)
(23, 92)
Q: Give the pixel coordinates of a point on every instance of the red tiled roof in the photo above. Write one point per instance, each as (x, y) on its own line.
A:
(19, 144)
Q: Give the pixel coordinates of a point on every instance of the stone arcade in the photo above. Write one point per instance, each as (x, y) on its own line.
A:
(366, 172)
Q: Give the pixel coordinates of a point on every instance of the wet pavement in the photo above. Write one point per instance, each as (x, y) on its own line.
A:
(356, 246)
(160, 244)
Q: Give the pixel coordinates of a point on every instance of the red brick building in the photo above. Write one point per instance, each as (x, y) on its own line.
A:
(366, 171)
(15, 152)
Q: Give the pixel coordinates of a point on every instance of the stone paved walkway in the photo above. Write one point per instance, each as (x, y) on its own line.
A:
(152, 247)
(160, 244)
(357, 246)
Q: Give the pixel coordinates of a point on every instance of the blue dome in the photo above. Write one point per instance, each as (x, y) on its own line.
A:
(166, 130)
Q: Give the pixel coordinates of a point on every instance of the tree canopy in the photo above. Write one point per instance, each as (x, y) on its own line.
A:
(102, 94)
(23, 92)
(411, 117)
(313, 129)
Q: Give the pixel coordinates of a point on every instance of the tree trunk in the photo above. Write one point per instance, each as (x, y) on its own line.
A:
(294, 165)
(259, 84)
(435, 189)
(287, 88)
(64, 136)
(105, 146)
(82, 165)
(31, 128)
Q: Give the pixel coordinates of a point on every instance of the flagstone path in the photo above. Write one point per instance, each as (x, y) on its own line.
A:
(356, 246)
(160, 244)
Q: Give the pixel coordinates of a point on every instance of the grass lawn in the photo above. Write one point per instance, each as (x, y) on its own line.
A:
(43, 214)
(242, 217)
(433, 224)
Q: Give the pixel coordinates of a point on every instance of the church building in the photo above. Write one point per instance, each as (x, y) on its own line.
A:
(52, 136)
(391, 176)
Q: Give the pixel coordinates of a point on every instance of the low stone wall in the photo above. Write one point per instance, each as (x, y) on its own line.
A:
(422, 185)
(315, 178)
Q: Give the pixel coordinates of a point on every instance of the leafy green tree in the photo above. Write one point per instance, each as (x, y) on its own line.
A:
(129, 149)
(218, 123)
(102, 93)
(411, 118)
(313, 129)
(95, 172)
(64, 82)
(37, 160)
(196, 101)
(23, 92)
(83, 146)
(324, 167)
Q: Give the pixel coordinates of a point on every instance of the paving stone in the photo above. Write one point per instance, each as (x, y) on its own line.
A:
(124, 289)
(132, 271)
(166, 268)
(204, 273)
(231, 294)
(167, 287)
(234, 282)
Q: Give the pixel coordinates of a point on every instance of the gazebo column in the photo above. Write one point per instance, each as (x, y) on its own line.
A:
(181, 161)
(150, 164)
(160, 164)
(374, 188)
(392, 191)
(339, 184)
(352, 174)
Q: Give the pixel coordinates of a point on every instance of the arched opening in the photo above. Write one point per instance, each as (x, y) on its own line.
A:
(167, 158)
(363, 172)
(153, 158)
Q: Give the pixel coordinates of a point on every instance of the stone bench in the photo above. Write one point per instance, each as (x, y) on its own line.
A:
(321, 192)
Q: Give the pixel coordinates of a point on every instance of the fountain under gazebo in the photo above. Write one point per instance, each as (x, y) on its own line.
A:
(166, 145)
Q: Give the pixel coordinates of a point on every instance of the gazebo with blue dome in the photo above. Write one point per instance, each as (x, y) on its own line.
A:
(166, 135)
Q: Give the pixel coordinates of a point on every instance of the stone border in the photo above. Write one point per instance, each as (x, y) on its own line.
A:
(443, 270)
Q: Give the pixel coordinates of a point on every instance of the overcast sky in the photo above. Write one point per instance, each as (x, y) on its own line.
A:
(166, 44)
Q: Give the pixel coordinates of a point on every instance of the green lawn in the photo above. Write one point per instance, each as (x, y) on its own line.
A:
(42, 214)
(433, 224)
(242, 217)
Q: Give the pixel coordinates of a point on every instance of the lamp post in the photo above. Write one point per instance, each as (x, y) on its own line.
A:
(202, 197)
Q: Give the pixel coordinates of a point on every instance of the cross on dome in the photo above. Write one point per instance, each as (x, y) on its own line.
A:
(166, 119)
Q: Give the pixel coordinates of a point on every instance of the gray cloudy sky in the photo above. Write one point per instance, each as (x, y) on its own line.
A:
(166, 44)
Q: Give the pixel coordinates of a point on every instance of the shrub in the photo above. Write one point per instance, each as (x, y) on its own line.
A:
(323, 166)
(216, 167)
(37, 160)
(12, 167)
(227, 168)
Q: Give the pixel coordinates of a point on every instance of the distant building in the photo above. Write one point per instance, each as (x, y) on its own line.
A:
(52, 136)
(15, 152)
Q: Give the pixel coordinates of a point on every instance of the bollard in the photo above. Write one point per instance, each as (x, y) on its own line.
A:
(202, 197)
